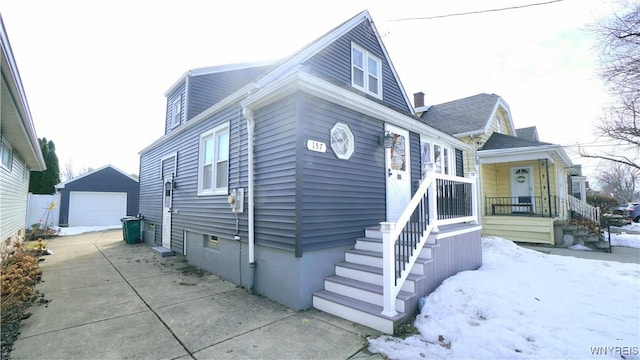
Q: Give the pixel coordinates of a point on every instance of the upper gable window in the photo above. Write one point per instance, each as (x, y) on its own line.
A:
(214, 161)
(176, 112)
(366, 71)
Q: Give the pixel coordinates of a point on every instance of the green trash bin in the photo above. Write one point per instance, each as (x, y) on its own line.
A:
(131, 230)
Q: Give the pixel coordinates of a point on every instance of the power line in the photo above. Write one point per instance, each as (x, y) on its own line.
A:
(478, 12)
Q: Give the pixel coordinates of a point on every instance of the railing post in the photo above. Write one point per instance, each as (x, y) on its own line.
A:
(388, 268)
(474, 198)
(432, 193)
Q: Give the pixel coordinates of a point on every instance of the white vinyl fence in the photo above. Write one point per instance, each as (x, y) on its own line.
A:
(43, 209)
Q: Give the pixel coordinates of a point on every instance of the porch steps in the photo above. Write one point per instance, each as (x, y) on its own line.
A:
(355, 292)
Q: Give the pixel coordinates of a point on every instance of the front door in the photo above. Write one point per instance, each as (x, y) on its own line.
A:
(167, 195)
(522, 189)
(398, 172)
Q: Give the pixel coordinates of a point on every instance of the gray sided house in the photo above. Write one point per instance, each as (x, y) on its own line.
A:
(100, 197)
(277, 177)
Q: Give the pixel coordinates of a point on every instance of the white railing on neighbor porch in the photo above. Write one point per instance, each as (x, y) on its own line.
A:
(440, 200)
(583, 208)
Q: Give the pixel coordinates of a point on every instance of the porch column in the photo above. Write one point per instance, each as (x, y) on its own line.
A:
(388, 269)
(474, 198)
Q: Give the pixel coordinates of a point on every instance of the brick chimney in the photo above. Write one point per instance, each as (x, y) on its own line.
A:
(418, 99)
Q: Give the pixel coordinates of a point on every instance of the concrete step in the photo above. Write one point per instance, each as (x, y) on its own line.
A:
(163, 251)
(357, 311)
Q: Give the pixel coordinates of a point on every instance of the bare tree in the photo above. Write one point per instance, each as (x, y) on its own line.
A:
(620, 63)
(619, 181)
(67, 172)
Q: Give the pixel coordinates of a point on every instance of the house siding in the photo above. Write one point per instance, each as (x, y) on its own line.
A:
(209, 89)
(179, 93)
(348, 194)
(275, 149)
(209, 214)
(334, 65)
(14, 187)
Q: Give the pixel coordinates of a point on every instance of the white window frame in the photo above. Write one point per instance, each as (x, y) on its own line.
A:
(367, 56)
(445, 164)
(5, 149)
(212, 134)
(342, 153)
(176, 112)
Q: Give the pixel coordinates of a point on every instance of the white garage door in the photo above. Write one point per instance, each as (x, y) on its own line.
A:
(96, 208)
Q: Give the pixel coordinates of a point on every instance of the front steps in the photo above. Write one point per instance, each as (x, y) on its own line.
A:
(355, 291)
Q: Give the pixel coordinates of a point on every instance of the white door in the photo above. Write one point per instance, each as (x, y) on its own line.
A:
(88, 208)
(167, 196)
(522, 189)
(398, 172)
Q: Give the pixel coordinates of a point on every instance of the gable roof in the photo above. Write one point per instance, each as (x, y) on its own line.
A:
(295, 61)
(467, 116)
(17, 124)
(530, 133)
(502, 141)
(62, 184)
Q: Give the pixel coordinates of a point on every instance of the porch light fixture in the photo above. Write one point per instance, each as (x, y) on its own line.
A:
(387, 140)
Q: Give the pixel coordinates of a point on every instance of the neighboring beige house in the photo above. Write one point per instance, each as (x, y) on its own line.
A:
(20, 151)
(527, 185)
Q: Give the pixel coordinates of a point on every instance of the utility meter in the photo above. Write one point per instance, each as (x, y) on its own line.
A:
(236, 200)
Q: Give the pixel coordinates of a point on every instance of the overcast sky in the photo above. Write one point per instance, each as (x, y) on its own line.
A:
(95, 72)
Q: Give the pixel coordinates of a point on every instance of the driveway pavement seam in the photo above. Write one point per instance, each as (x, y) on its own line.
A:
(143, 300)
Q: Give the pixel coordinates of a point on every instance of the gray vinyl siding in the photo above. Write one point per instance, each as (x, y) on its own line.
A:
(208, 214)
(207, 90)
(275, 149)
(14, 187)
(180, 93)
(334, 64)
(338, 198)
(416, 166)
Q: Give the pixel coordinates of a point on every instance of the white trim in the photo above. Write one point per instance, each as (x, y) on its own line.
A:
(177, 102)
(5, 144)
(173, 155)
(352, 144)
(524, 153)
(228, 101)
(445, 234)
(366, 56)
(312, 85)
(222, 128)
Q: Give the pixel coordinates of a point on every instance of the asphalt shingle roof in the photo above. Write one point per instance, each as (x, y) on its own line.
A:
(502, 141)
(463, 115)
(528, 133)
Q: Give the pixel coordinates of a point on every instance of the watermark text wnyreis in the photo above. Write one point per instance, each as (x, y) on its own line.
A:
(615, 350)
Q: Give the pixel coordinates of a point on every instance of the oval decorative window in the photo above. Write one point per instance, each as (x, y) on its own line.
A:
(342, 141)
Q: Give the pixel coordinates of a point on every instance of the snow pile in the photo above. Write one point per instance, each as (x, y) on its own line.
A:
(525, 304)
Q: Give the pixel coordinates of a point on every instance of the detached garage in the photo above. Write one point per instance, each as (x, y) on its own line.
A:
(101, 197)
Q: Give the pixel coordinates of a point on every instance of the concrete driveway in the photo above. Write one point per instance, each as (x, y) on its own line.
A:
(112, 300)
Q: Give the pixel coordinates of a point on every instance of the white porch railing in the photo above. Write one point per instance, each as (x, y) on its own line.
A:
(583, 208)
(440, 200)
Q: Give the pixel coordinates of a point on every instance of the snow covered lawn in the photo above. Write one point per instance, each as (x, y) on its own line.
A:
(522, 304)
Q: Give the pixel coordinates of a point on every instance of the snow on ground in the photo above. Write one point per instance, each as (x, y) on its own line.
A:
(76, 230)
(628, 237)
(523, 304)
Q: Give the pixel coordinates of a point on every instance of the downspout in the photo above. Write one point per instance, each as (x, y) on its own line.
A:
(248, 115)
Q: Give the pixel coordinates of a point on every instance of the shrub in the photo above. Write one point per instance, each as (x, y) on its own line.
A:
(19, 275)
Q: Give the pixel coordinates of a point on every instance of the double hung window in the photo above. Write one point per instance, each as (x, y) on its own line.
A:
(366, 71)
(214, 161)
